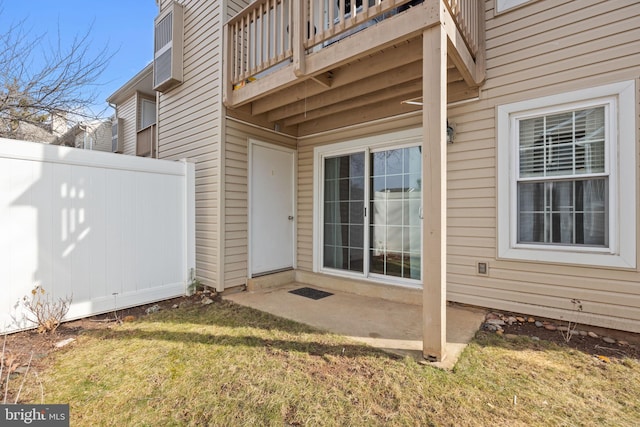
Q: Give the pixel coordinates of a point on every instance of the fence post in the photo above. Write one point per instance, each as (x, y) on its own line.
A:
(189, 205)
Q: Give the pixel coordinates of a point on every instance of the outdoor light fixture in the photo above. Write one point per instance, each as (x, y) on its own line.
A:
(450, 131)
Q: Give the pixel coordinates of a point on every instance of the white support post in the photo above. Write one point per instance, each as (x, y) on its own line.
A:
(189, 249)
(434, 178)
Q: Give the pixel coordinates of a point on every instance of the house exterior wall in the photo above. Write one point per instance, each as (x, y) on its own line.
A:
(127, 112)
(102, 137)
(79, 140)
(235, 6)
(544, 48)
(190, 126)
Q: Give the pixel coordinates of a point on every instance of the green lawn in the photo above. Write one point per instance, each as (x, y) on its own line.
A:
(227, 365)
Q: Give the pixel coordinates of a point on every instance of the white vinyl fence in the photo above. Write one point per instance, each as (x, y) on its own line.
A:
(107, 230)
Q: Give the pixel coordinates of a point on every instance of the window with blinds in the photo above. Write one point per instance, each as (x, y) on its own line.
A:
(562, 179)
(567, 171)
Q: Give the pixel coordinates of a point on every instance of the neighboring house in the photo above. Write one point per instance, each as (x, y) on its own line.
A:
(319, 130)
(45, 132)
(90, 135)
(135, 119)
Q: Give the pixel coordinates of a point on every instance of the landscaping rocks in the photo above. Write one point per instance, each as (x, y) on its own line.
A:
(506, 324)
(153, 309)
(207, 301)
(63, 343)
(490, 327)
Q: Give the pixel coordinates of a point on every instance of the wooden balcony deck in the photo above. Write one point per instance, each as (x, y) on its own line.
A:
(365, 61)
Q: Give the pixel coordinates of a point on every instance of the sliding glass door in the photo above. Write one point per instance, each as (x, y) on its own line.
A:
(371, 212)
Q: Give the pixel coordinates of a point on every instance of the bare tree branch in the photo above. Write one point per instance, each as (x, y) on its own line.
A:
(63, 83)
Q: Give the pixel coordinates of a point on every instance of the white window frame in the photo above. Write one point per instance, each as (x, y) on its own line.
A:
(390, 141)
(620, 162)
(504, 5)
(144, 105)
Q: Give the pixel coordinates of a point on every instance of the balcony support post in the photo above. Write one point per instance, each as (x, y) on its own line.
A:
(434, 200)
(298, 24)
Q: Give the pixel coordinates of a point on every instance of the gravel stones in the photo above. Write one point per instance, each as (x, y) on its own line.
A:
(153, 309)
(497, 323)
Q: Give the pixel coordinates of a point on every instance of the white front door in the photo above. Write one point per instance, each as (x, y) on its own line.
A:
(271, 208)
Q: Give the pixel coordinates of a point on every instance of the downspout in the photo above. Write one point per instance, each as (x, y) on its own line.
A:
(115, 116)
(157, 129)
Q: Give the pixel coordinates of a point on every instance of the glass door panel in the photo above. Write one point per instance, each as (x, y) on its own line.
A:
(344, 212)
(395, 198)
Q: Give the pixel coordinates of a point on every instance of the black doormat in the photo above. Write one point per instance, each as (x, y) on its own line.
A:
(311, 293)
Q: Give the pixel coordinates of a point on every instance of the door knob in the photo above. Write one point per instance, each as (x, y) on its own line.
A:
(290, 217)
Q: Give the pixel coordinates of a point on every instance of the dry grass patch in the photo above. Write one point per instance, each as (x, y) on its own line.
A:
(224, 364)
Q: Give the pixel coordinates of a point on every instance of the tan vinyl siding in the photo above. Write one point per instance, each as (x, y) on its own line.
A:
(236, 245)
(102, 137)
(305, 208)
(190, 126)
(235, 6)
(544, 48)
(127, 112)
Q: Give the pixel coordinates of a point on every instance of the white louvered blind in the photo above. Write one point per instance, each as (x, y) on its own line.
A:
(564, 144)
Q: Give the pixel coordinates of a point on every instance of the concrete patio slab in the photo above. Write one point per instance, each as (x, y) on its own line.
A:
(388, 325)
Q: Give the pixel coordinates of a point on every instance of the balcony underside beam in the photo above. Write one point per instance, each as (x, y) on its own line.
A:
(397, 56)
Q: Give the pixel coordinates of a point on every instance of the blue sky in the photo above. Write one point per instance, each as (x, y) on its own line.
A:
(125, 26)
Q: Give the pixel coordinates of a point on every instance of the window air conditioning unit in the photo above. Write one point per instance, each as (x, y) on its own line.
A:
(167, 57)
(117, 141)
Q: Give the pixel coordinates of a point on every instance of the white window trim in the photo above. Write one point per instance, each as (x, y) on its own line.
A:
(622, 165)
(378, 142)
(149, 104)
(504, 5)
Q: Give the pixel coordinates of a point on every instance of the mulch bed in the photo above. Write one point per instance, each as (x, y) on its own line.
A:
(599, 342)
